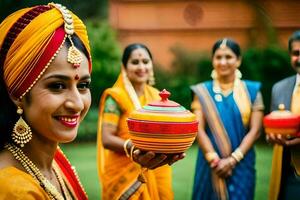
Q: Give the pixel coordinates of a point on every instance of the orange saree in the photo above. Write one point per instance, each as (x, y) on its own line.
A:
(17, 184)
(118, 173)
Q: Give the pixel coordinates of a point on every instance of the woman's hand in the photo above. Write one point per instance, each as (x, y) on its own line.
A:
(275, 139)
(279, 139)
(224, 167)
(175, 158)
(153, 160)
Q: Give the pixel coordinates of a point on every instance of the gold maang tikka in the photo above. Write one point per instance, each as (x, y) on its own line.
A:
(223, 44)
(74, 55)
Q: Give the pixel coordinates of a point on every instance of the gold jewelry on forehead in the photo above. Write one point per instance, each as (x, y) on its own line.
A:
(74, 55)
(223, 44)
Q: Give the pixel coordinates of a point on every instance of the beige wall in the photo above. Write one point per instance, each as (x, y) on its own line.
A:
(196, 25)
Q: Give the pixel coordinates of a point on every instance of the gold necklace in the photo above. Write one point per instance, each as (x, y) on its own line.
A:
(61, 182)
(35, 172)
(226, 86)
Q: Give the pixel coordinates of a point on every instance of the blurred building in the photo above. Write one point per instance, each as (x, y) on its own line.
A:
(197, 24)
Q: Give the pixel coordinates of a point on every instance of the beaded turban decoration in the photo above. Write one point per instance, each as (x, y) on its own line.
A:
(31, 38)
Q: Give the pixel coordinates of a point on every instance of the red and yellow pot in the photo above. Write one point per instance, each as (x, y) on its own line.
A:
(282, 122)
(163, 126)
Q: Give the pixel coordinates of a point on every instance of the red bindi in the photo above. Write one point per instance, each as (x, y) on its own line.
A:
(76, 65)
(76, 77)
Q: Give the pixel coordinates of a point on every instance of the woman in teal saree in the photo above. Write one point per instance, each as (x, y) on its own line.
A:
(230, 112)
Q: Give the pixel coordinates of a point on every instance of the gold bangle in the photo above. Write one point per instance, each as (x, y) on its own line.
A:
(237, 154)
(131, 151)
(210, 156)
(125, 147)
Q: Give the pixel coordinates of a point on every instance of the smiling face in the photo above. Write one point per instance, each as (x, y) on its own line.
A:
(225, 62)
(138, 66)
(295, 55)
(60, 99)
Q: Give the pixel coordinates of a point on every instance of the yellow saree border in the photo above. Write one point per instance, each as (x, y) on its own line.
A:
(111, 118)
(242, 98)
(214, 121)
(276, 172)
(220, 135)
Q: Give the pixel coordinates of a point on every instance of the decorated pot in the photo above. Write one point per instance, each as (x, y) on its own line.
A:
(282, 122)
(163, 126)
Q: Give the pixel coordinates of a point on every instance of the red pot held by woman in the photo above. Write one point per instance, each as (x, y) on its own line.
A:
(282, 122)
(162, 126)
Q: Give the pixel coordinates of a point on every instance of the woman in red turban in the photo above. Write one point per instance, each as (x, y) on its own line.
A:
(45, 67)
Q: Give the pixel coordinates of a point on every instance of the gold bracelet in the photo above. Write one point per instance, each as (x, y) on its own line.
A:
(125, 147)
(131, 151)
(237, 154)
(210, 156)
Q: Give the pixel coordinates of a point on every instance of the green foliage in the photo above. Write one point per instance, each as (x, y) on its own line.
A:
(106, 56)
(88, 127)
(188, 68)
(267, 65)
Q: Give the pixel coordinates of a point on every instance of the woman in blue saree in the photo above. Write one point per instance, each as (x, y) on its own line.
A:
(230, 112)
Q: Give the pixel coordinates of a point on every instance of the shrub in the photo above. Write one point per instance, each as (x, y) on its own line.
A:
(267, 65)
(106, 54)
(88, 127)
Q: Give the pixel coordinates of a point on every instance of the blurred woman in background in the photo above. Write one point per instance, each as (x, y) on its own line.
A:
(119, 163)
(230, 112)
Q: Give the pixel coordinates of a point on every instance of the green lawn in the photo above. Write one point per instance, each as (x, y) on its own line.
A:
(83, 156)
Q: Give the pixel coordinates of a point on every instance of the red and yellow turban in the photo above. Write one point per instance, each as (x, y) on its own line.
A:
(29, 41)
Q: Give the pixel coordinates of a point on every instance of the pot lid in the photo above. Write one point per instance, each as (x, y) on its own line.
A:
(164, 102)
(282, 113)
(163, 110)
(282, 119)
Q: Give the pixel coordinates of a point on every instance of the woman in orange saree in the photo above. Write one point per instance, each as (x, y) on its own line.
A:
(45, 70)
(118, 169)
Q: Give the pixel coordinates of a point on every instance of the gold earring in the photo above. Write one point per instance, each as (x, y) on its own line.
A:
(151, 80)
(214, 74)
(238, 74)
(21, 133)
(223, 44)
